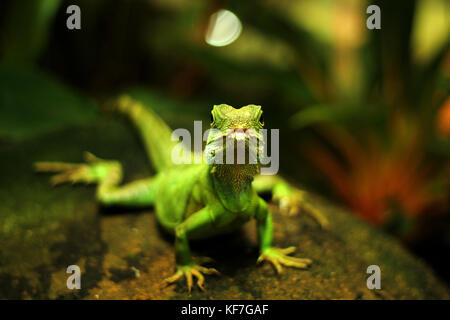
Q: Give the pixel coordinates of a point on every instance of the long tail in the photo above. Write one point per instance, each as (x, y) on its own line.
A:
(153, 130)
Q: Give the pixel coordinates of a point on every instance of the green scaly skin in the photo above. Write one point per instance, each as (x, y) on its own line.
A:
(193, 201)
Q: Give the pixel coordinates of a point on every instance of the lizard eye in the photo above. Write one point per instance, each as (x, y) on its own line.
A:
(212, 118)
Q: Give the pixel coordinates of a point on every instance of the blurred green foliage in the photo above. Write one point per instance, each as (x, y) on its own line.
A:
(32, 103)
(26, 28)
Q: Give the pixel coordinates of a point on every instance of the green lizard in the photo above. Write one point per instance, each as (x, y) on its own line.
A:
(193, 201)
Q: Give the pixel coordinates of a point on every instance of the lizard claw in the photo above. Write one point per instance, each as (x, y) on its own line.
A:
(190, 271)
(91, 158)
(92, 171)
(291, 203)
(67, 172)
(279, 257)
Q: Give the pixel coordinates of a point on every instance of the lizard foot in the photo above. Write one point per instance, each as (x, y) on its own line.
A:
(291, 203)
(92, 171)
(279, 257)
(190, 271)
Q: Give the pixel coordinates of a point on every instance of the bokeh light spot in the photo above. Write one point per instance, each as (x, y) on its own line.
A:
(223, 29)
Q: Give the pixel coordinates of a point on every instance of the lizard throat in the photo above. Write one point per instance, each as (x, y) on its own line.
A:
(236, 176)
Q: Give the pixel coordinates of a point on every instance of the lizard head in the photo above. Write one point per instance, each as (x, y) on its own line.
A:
(238, 129)
(225, 117)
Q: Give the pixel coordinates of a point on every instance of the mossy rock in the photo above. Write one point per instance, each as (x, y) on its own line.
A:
(124, 255)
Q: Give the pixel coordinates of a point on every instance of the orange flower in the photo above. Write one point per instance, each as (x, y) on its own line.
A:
(443, 119)
(369, 178)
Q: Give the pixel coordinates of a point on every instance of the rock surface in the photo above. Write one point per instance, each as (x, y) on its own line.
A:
(124, 255)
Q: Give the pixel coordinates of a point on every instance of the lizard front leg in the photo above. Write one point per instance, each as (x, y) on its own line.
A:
(290, 199)
(198, 223)
(277, 256)
(108, 175)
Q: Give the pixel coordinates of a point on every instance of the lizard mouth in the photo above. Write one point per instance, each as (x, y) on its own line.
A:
(240, 134)
(251, 138)
(235, 146)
